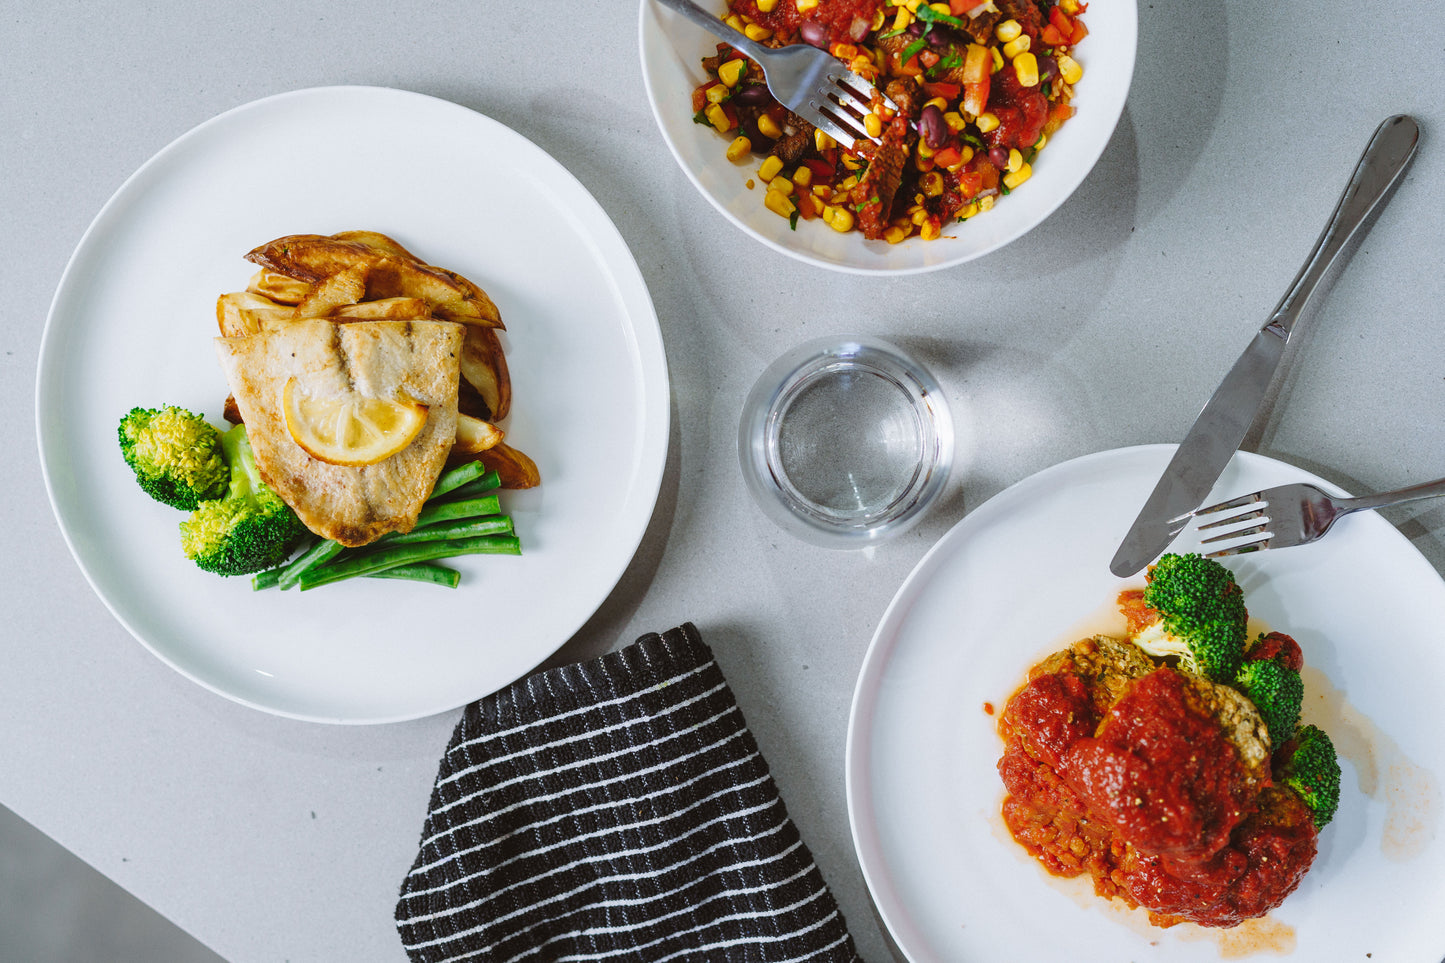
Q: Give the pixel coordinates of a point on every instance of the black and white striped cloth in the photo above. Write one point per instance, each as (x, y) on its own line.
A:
(616, 809)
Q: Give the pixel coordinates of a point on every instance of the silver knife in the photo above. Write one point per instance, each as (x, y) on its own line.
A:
(1226, 417)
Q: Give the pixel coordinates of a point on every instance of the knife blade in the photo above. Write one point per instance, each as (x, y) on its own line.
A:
(1226, 417)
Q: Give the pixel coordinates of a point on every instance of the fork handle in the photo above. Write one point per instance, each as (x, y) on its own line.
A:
(1376, 175)
(1429, 489)
(715, 26)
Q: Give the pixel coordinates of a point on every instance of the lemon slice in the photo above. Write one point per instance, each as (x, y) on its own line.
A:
(350, 429)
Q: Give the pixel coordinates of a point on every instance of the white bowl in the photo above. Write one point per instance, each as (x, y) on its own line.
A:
(672, 51)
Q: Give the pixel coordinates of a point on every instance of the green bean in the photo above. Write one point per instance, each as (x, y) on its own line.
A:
(422, 572)
(365, 563)
(324, 550)
(454, 478)
(466, 508)
(461, 528)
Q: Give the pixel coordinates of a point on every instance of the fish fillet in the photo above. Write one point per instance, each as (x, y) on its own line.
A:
(418, 360)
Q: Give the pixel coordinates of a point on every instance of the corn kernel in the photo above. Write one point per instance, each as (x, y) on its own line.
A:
(754, 31)
(822, 191)
(750, 183)
(844, 51)
(932, 184)
(1008, 30)
(968, 211)
(878, 20)
(923, 149)
(1014, 178)
(1015, 159)
(822, 141)
(1069, 69)
(718, 118)
(852, 162)
(942, 8)
(938, 102)
(766, 6)
(782, 185)
(1016, 46)
(985, 203)
(912, 6)
(779, 204)
(872, 124)
(731, 72)
(770, 167)
(718, 93)
(740, 147)
(1039, 144)
(849, 183)
(734, 21)
(806, 6)
(997, 59)
(1070, 7)
(929, 230)
(918, 217)
(1026, 67)
(954, 120)
(924, 163)
(839, 219)
(803, 176)
(895, 234)
(902, 20)
(987, 122)
(768, 127)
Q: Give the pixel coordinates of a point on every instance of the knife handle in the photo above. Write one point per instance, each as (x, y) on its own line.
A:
(1376, 175)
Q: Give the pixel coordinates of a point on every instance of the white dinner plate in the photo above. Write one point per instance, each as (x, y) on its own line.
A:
(132, 325)
(1027, 573)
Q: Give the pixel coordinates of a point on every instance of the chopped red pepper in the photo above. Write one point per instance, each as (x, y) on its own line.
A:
(942, 88)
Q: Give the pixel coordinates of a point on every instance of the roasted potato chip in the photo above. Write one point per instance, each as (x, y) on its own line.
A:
(340, 289)
(482, 309)
(240, 313)
(475, 435)
(484, 367)
(514, 468)
(387, 309)
(278, 287)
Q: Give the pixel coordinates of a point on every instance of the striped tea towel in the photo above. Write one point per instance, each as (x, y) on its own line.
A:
(616, 809)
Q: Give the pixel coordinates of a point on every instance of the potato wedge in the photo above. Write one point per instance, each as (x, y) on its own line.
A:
(340, 289)
(278, 287)
(239, 312)
(515, 469)
(484, 367)
(387, 309)
(475, 435)
(458, 310)
(314, 257)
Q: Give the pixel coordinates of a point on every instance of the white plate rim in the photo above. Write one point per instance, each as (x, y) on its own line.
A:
(625, 277)
(901, 926)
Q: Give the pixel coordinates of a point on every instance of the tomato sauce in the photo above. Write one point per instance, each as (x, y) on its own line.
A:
(1149, 798)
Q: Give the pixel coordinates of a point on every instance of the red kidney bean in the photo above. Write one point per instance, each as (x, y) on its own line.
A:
(998, 157)
(753, 94)
(932, 127)
(813, 33)
(1048, 69)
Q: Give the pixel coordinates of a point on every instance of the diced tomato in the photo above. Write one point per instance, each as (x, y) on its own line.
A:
(1080, 32)
(928, 58)
(1052, 36)
(975, 97)
(809, 207)
(941, 88)
(822, 170)
(948, 157)
(1061, 20)
(977, 64)
(699, 96)
(732, 114)
(1058, 113)
(959, 7)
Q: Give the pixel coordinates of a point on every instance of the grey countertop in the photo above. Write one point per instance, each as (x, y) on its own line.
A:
(1108, 326)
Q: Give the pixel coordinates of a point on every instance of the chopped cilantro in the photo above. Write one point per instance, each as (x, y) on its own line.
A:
(929, 15)
(701, 118)
(913, 48)
(793, 221)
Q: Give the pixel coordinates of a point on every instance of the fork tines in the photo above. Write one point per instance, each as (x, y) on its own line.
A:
(841, 112)
(1258, 534)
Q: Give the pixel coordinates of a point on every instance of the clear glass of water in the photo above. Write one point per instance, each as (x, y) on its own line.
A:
(845, 441)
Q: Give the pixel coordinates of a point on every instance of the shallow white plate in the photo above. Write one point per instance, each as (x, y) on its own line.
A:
(132, 324)
(1027, 573)
(672, 51)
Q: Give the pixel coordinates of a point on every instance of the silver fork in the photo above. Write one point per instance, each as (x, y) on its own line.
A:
(1295, 514)
(810, 82)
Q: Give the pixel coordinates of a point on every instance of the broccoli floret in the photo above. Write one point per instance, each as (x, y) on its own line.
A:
(1312, 770)
(1202, 617)
(248, 529)
(175, 454)
(1276, 691)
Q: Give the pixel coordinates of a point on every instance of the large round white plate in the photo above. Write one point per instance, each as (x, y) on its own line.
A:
(1027, 573)
(132, 323)
(672, 49)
